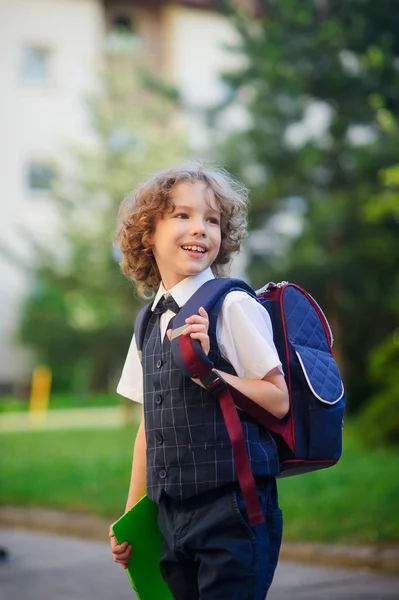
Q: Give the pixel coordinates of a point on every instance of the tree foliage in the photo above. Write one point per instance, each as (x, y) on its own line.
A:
(79, 317)
(320, 82)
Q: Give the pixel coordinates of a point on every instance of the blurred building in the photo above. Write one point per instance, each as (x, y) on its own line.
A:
(51, 52)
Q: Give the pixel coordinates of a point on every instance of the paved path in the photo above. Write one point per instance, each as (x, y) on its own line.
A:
(52, 567)
(66, 418)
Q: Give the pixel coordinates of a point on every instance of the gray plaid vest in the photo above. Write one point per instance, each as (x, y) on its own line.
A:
(188, 447)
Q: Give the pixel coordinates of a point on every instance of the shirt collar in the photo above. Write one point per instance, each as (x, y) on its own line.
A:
(183, 290)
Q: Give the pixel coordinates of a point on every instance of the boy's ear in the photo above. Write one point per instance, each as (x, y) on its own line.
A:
(149, 240)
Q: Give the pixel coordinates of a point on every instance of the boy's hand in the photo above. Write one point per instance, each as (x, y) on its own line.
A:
(122, 552)
(197, 329)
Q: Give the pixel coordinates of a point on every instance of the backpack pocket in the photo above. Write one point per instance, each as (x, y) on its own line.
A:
(321, 372)
(325, 405)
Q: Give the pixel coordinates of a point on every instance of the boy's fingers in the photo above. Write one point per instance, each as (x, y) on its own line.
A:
(202, 315)
(122, 553)
(203, 324)
(124, 562)
(120, 548)
(203, 340)
(200, 336)
(197, 319)
(123, 557)
(169, 334)
(191, 331)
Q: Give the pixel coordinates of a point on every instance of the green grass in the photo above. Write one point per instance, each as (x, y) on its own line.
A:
(352, 502)
(72, 400)
(89, 471)
(78, 470)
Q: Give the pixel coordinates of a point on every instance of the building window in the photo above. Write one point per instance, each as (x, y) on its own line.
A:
(122, 24)
(40, 177)
(122, 34)
(35, 65)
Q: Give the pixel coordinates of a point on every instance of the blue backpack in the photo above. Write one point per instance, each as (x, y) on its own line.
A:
(310, 436)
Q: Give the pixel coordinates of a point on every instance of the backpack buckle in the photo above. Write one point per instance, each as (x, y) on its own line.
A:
(213, 382)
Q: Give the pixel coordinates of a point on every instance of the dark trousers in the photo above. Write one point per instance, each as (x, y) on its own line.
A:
(209, 550)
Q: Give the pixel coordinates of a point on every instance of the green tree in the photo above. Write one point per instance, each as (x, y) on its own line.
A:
(320, 83)
(80, 314)
(380, 418)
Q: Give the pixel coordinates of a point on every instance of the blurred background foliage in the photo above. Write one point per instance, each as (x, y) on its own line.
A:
(79, 317)
(320, 87)
(321, 83)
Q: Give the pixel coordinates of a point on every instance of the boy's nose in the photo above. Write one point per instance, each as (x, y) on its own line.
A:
(199, 228)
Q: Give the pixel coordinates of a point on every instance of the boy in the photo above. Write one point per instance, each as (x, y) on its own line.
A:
(178, 231)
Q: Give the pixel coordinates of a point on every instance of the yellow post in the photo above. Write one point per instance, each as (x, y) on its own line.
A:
(40, 394)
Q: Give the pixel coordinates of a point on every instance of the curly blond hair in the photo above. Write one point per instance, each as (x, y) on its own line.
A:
(141, 209)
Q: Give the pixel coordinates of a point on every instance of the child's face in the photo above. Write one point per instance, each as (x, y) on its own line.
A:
(187, 240)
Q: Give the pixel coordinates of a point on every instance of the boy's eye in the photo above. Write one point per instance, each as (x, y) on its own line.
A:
(183, 215)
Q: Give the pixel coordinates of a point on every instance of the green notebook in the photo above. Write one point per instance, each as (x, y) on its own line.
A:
(139, 527)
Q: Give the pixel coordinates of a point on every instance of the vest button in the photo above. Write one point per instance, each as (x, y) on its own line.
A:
(159, 438)
(159, 363)
(162, 474)
(158, 398)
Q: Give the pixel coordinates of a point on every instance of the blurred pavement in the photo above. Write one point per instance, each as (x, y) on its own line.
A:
(107, 416)
(52, 567)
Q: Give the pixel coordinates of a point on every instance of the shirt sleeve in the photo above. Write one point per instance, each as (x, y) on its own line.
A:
(245, 336)
(131, 382)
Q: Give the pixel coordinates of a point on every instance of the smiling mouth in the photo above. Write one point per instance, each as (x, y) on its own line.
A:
(194, 248)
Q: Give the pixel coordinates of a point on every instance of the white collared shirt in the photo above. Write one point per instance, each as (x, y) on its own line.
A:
(244, 335)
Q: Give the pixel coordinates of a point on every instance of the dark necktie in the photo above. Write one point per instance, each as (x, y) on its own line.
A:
(166, 303)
